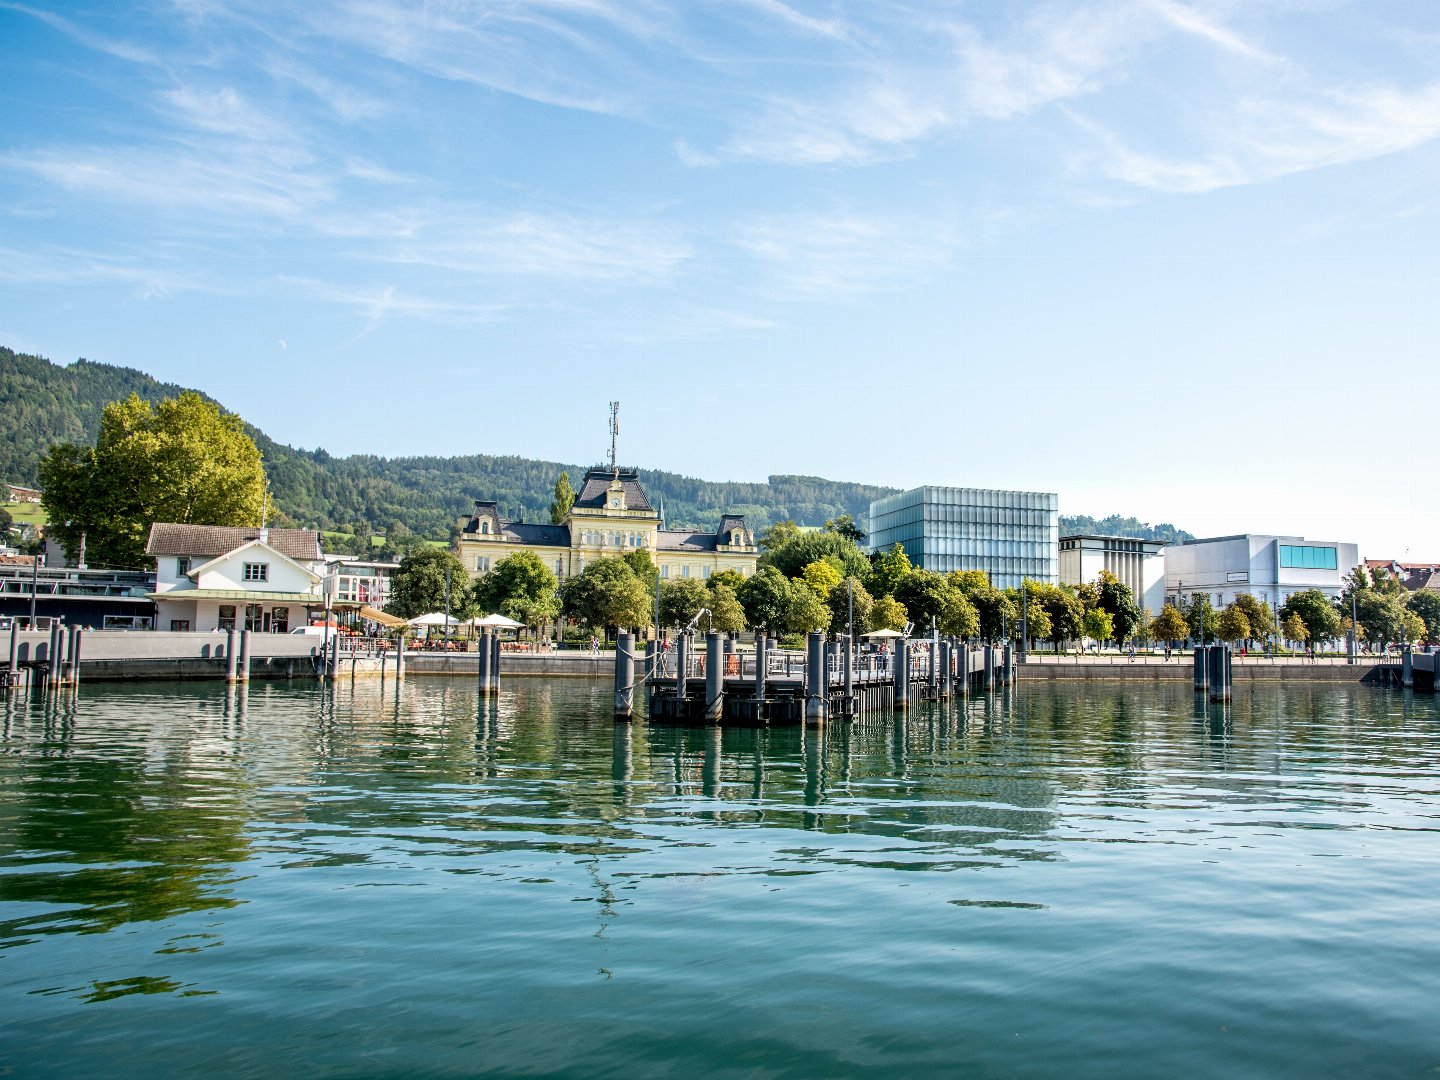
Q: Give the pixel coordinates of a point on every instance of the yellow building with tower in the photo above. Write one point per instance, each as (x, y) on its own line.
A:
(612, 515)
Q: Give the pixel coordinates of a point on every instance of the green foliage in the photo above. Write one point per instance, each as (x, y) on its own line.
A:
(726, 614)
(1322, 621)
(840, 606)
(822, 575)
(1202, 620)
(888, 569)
(1294, 628)
(644, 569)
(183, 461)
(564, 499)
(1115, 525)
(520, 587)
(934, 600)
(1034, 613)
(1062, 607)
(1381, 615)
(607, 594)
(778, 535)
(1119, 602)
(730, 578)
(1169, 625)
(1098, 624)
(1233, 625)
(793, 555)
(1258, 617)
(806, 610)
(680, 599)
(1426, 605)
(888, 614)
(765, 596)
(418, 585)
(846, 527)
(996, 612)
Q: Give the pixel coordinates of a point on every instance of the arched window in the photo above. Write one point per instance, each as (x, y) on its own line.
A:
(484, 528)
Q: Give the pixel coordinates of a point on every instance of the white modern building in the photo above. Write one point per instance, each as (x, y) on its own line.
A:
(1011, 535)
(1139, 564)
(211, 577)
(1269, 568)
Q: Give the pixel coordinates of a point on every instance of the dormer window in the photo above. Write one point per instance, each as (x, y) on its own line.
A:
(484, 528)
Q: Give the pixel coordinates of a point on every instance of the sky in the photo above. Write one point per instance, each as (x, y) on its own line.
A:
(1175, 259)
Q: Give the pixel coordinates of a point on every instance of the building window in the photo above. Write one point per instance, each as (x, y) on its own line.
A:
(482, 564)
(226, 618)
(280, 620)
(179, 626)
(182, 566)
(665, 572)
(256, 571)
(705, 571)
(1294, 557)
(685, 570)
(559, 568)
(254, 617)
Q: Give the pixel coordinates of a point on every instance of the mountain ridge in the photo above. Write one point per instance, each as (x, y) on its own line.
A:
(42, 403)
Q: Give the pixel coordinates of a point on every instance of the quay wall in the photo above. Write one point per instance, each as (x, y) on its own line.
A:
(1181, 669)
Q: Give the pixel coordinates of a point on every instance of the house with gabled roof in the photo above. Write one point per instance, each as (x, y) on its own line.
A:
(612, 515)
(211, 577)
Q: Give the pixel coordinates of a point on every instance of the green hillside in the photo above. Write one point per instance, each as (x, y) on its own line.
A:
(43, 403)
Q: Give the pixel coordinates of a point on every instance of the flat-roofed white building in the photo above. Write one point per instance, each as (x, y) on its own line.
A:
(1269, 568)
(1138, 564)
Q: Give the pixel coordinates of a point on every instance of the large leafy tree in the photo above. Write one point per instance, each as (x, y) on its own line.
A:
(1203, 620)
(1065, 610)
(1314, 609)
(563, 501)
(1169, 625)
(1117, 598)
(1099, 625)
(607, 594)
(1427, 605)
(803, 548)
(806, 610)
(1257, 616)
(1234, 626)
(680, 599)
(888, 614)
(888, 569)
(183, 461)
(846, 527)
(765, 596)
(823, 575)
(726, 614)
(418, 585)
(996, 612)
(1034, 616)
(1294, 628)
(521, 587)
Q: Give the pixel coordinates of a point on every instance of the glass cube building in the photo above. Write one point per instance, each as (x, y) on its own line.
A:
(1011, 535)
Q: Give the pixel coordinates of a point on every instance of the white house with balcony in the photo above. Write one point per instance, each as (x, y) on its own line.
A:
(210, 577)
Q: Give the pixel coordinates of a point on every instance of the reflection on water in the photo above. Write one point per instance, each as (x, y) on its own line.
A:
(1076, 879)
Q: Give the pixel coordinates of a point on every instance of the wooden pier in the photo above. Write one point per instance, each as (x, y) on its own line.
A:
(829, 680)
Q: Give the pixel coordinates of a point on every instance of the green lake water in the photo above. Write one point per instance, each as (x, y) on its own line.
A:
(1061, 882)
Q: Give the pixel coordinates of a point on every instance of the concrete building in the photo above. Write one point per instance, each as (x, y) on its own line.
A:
(1011, 535)
(1269, 568)
(1140, 564)
(612, 515)
(211, 577)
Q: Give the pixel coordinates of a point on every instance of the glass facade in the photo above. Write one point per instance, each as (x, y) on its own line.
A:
(1011, 535)
(1295, 557)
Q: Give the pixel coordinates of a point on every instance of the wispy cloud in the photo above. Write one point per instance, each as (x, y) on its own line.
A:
(844, 253)
(122, 50)
(380, 302)
(1264, 139)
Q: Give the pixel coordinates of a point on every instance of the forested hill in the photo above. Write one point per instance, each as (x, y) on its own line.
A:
(43, 403)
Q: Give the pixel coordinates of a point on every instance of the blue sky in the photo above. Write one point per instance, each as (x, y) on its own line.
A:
(1174, 258)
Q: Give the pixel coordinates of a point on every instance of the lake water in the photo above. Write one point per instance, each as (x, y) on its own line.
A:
(1068, 881)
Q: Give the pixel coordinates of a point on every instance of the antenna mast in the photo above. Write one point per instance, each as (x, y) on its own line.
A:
(614, 434)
